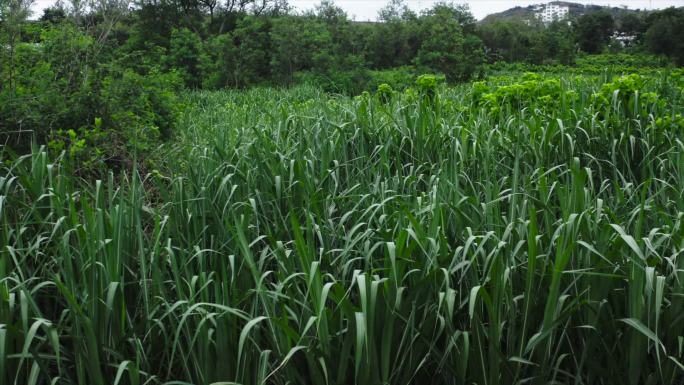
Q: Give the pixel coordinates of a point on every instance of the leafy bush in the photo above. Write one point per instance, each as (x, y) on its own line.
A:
(448, 46)
(186, 55)
(625, 94)
(99, 112)
(427, 86)
(349, 82)
(623, 60)
(384, 93)
(398, 78)
(531, 90)
(220, 66)
(591, 64)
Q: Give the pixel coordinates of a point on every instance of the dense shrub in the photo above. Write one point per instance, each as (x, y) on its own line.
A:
(97, 110)
(449, 48)
(220, 62)
(531, 90)
(664, 35)
(621, 63)
(624, 60)
(186, 55)
(398, 78)
(623, 92)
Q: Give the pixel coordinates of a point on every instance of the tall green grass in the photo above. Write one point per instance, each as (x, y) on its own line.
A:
(293, 237)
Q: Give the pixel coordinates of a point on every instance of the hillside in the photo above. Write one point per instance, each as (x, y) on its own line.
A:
(575, 10)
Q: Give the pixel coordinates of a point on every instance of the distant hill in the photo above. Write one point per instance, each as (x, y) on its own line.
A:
(575, 10)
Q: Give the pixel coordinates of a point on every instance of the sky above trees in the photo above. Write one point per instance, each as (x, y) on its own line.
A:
(368, 9)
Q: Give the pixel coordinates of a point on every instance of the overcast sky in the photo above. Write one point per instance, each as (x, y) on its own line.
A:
(368, 9)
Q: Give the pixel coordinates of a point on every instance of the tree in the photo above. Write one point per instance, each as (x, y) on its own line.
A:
(338, 25)
(561, 42)
(221, 62)
(594, 31)
(253, 45)
(153, 23)
(209, 5)
(390, 43)
(186, 55)
(13, 14)
(53, 15)
(299, 44)
(664, 35)
(632, 24)
(446, 48)
(508, 40)
(256, 7)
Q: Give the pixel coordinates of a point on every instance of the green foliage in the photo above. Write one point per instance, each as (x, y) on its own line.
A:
(244, 44)
(50, 88)
(186, 55)
(627, 94)
(143, 106)
(525, 229)
(356, 81)
(532, 91)
(221, 62)
(427, 83)
(253, 50)
(351, 81)
(240, 58)
(416, 243)
(673, 123)
(664, 34)
(520, 41)
(384, 93)
(623, 88)
(395, 41)
(594, 31)
(621, 63)
(299, 44)
(61, 90)
(446, 48)
(155, 21)
(397, 78)
(53, 15)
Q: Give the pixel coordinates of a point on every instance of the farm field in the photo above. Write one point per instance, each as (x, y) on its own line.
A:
(527, 229)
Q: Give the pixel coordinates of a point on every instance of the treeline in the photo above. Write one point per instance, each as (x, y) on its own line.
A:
(255, 42)
(100, 78)
(518, 40)
(241, 43)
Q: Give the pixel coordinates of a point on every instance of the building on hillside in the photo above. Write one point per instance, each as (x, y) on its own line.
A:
(551, 12)
(625, 40)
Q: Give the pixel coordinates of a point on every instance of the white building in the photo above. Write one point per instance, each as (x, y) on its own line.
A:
(551, 12)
